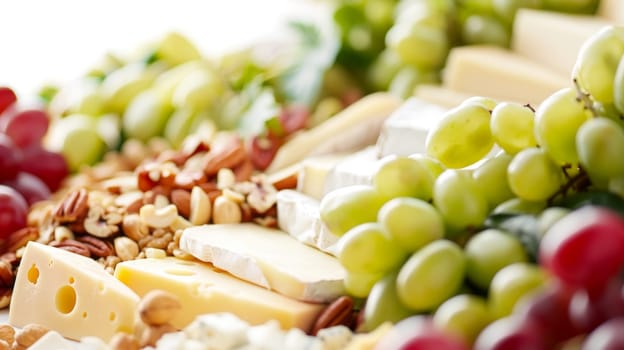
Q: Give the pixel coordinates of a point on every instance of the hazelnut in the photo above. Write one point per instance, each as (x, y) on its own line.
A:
(158, 307)
(151, 334)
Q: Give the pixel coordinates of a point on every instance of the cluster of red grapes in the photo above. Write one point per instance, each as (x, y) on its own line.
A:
(28, 172)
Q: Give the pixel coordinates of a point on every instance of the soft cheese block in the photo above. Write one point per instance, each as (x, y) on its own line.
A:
(269, 258)
(299, 216)
(203, 289)
(355, 169)
(553, 39)
(500, 74)
(405, 131)
(313, 174)
(70, 294)
(441, 95)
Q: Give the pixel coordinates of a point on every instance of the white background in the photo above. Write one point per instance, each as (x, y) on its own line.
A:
(45, 41)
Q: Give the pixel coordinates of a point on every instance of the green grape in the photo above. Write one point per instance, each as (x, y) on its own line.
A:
(491, 178)
(548, 217)
(533, 176)
(557, 120)
(108, 126)
(198, 91)
(77, 138)
(618, 87)
(419, 46)
(383, 304)
(519, 206)
(461, 137)
(408, 78)
(464, 315)
(433, 165)
(379, 13)
(600, 142)
(413, 223)
(347, 207)
(399, 176)
(480, 29)
(367, 248)
(180, 125)
(167, 82)
(359, 285)
(145, 117)
(596, 64)
(121, 86)
(485, 102)
(513, 126)
(512, 283)
(616, 185)
(460, 200)
(489, 251)
(175, 49)
(383, 69)
(479, 6)
(421, 13)
(431, 275)
(573, 6)
(507, 9)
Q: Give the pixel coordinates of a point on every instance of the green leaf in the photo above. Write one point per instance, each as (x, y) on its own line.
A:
(318, 44)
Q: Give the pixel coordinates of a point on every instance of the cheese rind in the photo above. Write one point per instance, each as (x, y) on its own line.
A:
(405, 131)
(553, 39)
(269, 258)
(70, 294)
(500, 74)
(299, 216)
(202, 288)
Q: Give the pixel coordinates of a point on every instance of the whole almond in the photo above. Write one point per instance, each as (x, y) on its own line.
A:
(182, 200)
(158, 307)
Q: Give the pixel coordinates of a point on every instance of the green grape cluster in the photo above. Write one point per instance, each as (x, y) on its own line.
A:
(435, 229)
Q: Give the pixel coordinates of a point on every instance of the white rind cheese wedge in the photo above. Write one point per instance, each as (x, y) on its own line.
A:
(298, 215)
(612, 10)
(70, 294)
(500, 74)
(405, 132)
(553, 39)
(356, 169)
(202, 289)
(350, 130)
(269, 258)
(440, 95)
(313, 174)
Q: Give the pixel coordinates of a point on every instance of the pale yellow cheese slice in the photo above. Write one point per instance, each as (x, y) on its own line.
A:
(70, 294)
(313, 174)
(501, 74)
(553, 39)
(441, 95)
(269, 258)
(204, 289)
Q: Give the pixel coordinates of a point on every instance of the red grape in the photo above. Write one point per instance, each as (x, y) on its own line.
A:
(419, 333)
(510, 333)
(7, 98)
(588, 310)
(30, 187)
(585, 248)
(9, 158)
(26, 127)
(13, 211)
(48, 166)
(609, 336)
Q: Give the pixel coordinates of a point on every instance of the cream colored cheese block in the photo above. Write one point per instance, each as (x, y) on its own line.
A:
(501, 74)
(70, 294)
(203, 289)
(356, 169)
(612, 10)
(405, 132)
(352, 129)
(313, 174)
(440, 95)
(553, 39)
(269, 258)
(298, 215)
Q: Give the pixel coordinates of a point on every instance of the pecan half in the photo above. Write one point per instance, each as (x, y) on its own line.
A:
(71, 245)
(7, 276)
(98, 225)
(97, 247)
(73, 207)
(339, 312)
(20, 237)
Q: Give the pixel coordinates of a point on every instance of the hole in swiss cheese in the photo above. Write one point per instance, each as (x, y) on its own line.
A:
(65, 299)
(33, 274)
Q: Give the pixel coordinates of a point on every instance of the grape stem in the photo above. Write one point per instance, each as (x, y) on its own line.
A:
(585, 98)
(578, 182)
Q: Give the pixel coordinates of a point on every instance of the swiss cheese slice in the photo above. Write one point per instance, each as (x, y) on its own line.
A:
(70, 294)
(501, 74)
(553, 39)
(299, 216)
(269, 258)
(203, 289)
